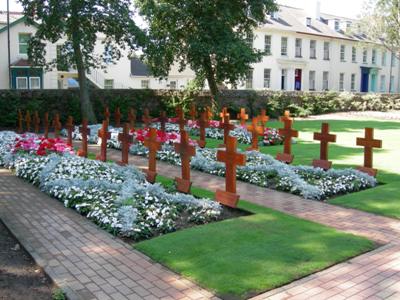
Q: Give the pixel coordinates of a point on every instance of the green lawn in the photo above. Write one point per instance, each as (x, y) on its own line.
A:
(383, 200)
(240, 257)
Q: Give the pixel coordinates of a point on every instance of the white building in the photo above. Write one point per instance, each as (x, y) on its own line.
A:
(303, 50)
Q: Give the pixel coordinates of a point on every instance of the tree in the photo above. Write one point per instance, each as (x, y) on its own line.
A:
(212, 37)
(75, 26)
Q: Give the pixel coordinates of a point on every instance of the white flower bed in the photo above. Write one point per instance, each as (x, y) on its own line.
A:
(116, 198)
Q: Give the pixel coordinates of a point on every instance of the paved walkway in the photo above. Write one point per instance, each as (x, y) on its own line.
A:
(375, 275)
(87, 262)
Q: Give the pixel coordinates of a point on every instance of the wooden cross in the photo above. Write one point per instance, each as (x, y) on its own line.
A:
(286, 116)
(70, 129)
(227, 126)
(255, 132)
(104, 134)
(163, 120)
(36, 122)
(288, 133)
(181, 118)
(325, 138)
(186, 151)
(242, 116)
(231, 158)
(132, 118)
(223, 114)
(153, 145)
(107, 115)
(369, 143)
(85, 132)
(57, 125)
(146, 118)
(46, 124)
(28, 121)
(209, 113)
(263, 118)
(193, 112)
(117, 117)
(126, 140)
(20, 122)
(203, 124)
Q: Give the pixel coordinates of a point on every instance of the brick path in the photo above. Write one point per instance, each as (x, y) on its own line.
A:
(87, 262)
(375, 275)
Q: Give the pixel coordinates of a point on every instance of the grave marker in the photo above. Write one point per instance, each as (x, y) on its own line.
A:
(186, 151)
(325, 138)
(70, 129)
(263, 118)
(46, 125)
(163, 120)
(104, 134)
(117, 117)
(203, 124)
(256, 131)
(153, 145)
(369, 143)
(181, 118)
(227, 126)
(132, 118)
(36, 122)
(126, 140)
(20, 122)
(107, 115)
(28, 121)
(57, 125)
(209, 113)
(193, 112)
(146, 119)
(242, 116)
(223, 113)
(288, 133)
(231, 158)
(85, 132)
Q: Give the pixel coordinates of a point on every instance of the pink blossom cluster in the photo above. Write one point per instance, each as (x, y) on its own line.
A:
(162, 137)
(40, 145)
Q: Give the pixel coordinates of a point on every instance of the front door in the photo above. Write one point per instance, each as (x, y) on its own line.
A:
(364, 80)
(297, 79)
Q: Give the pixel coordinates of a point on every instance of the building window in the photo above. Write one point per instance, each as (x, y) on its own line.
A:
(298, 47)
(354, 54)
(249, 40)
(108, 83)
(325, 81)
(145, 84)
(172, 85)
(267, 78)
(23, 39)
(326, 50)
(365, 56)
(342, 53)
(393, 60)
(34, 83)
(382, 87)
(284, 42)
(337, 25)
(384, 58)
(353, 82)
(373, 59)
(284, 79)
(311, 81)
(313, 49)
(267, 45)
(21, 83)
(341, 82)
(391, 90)
(249, 80)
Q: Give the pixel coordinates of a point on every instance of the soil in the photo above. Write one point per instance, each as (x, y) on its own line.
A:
(20, 277)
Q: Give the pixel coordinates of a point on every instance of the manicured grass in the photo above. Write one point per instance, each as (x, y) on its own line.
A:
(383, 200)
(248, 255)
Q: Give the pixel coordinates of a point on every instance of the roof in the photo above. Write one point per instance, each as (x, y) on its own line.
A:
(21, 63)
(294, 19)
(13, 17)
(138, 68)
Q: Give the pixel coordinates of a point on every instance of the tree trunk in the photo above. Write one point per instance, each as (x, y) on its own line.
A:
(212, 83)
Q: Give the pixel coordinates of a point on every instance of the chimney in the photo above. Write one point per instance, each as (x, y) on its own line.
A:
(313, 9)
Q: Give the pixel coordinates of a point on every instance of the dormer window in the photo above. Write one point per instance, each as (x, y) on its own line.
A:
(337, 25)
(308, 22)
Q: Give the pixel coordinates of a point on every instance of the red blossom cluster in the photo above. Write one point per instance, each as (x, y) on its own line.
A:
(40, 145)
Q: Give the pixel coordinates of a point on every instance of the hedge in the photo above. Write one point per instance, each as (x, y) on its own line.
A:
(66, 102)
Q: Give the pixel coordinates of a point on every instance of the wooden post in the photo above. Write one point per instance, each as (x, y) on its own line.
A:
(181, 118)
(117, 117)
(28, 121)
(70, 129)
(223, 114)
(36, 122)
(255, 132)
(231, 158)
(203, 124)
(132, 118)
(242, 116)
(263, 118)
(107, 115)
(126, 140)
(104, 134)
(146, 118)
(46, 125)
(153, 145)
(57, 125)
(325, 138)
(20, 122)
(193, 112)
(288, 133)
(186, 151)
(85, 132)
(227, 126)
(369, 143)
(163, 120)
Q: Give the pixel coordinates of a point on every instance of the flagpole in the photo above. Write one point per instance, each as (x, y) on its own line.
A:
(8, 44)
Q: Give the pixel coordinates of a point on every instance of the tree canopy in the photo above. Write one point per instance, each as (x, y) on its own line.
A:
(211, 37)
